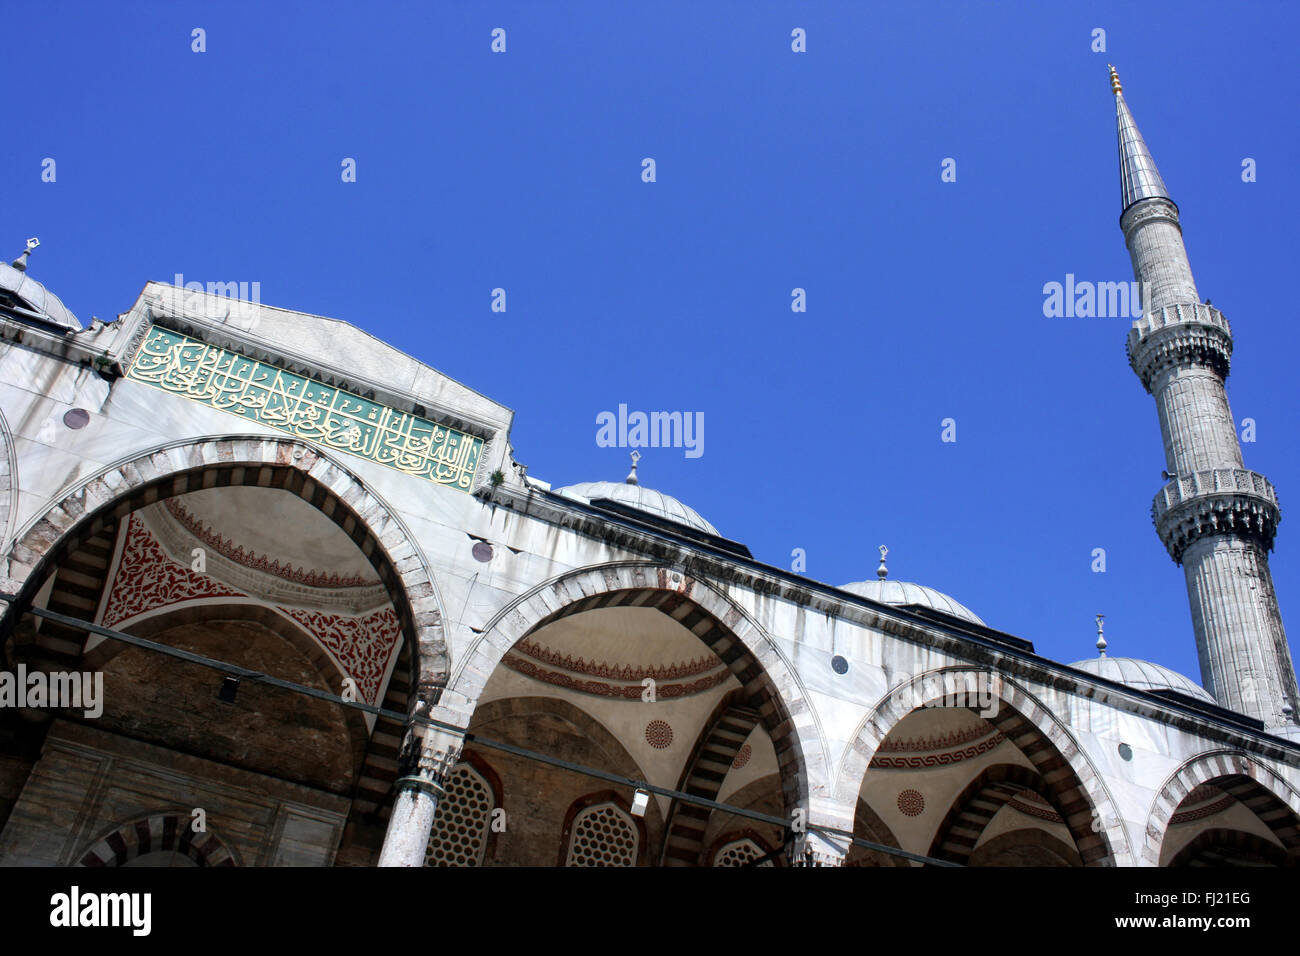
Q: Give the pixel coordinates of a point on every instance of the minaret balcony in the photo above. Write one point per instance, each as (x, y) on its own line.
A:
(1219, 501)
(1179, 336)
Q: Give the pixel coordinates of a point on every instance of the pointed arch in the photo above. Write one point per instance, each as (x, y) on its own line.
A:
(1072, 784)
(717, 745)
(868, 825)
(293, 466)
(1026, 847)
(769, 682)
(1253, 783)
(166, 830)
(8, 482)
(1224, 847)
(975, 807)
(600, 830)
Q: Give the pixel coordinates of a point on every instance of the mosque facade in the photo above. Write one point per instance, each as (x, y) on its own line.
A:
(264, 608)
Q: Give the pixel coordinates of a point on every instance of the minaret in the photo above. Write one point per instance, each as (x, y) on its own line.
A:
(1216, 517)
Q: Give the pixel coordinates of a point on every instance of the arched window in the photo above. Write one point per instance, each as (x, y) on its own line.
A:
(739, 853)
(462, 821)
(603, 834)
(158, 840)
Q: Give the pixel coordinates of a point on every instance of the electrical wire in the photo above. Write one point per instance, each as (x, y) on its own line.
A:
(245, 673)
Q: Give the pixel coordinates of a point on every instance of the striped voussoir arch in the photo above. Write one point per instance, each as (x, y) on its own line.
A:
(1249, 781)
(1221, 847)
(769, 686)
(289, 465)
(161, 832)
(1069, 781)
(706, 770)
(976, 806)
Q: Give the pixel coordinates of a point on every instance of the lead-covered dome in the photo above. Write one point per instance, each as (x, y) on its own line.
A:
(635, 495)
(1143, 675)
(21, 290)
(905, 592)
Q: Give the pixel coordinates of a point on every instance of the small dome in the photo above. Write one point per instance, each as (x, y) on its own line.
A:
(905, 592)
(34, 297)
(643, 499)
(1143, 675)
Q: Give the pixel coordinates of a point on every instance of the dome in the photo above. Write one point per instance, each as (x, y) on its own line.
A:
(31, 295)
(641, 498)
(905, 592)
(1143, 675)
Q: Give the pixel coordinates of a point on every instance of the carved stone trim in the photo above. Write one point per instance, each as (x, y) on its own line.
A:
(1180, 336)
(1148, 210)
(1219, 501)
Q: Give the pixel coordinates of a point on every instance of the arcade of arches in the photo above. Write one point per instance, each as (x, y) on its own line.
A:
(259, 577)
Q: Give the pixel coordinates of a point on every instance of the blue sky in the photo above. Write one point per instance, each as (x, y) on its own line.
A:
(775, 170)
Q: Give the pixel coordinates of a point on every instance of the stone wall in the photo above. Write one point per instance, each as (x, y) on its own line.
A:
(89, 784)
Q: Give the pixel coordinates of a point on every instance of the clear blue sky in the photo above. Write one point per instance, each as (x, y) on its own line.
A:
(775, 170)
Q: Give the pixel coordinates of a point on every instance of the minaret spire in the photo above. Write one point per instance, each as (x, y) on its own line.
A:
(1216, 518)
(1139, 178)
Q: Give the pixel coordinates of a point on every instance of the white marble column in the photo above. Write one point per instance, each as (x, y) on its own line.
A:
(823, 849)
(417, 801)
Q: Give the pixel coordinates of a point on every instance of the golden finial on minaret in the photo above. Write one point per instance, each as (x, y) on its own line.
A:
(1114, 81)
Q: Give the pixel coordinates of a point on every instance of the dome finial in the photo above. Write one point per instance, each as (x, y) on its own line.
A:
(882, 572)
(1114, 81)
(21, 262)
(631, 475)
(1101, 639)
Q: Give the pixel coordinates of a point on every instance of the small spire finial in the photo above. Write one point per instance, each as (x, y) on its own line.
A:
(1115, 86)
(882, 572)
(21, 262)
(631, 475)
(1101, 639)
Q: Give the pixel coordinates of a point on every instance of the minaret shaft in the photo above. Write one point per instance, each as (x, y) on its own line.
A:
(1159, 258)
(1195, 422)
(1216, 517)
(1245, 661)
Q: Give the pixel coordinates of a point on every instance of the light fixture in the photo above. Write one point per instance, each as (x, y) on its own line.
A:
(229, 687)
(640, 800)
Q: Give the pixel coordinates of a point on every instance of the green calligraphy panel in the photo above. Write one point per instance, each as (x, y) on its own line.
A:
(305, 408)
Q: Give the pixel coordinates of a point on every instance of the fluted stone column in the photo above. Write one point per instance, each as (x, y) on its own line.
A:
(1241, 642)
(418, 794)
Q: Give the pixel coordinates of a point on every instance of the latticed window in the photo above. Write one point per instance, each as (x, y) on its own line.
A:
(603, 835)
(739, 853)
(461, 822)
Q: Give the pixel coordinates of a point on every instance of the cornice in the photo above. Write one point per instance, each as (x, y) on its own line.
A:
(958, 638)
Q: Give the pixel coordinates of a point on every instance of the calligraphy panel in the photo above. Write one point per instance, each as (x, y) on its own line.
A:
(305, 408)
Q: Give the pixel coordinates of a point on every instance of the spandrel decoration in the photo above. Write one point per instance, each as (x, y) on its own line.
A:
(307, 409)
